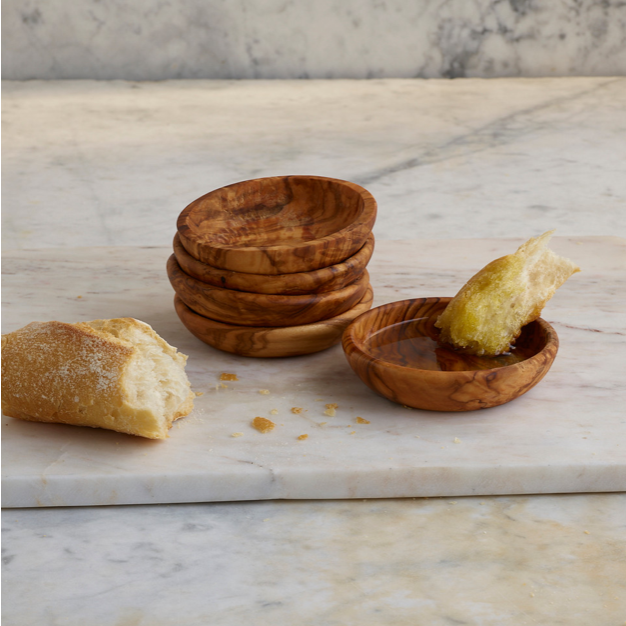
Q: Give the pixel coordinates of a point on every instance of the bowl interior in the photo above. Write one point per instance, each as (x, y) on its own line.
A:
(275, 211)
(404, 334)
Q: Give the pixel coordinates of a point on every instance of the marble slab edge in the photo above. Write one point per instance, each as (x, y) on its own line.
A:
(266, 483)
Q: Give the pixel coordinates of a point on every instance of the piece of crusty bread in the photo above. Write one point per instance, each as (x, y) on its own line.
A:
(487, 315)
(116, 374)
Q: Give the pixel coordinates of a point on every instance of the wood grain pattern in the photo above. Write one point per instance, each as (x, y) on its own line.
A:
(270, 342)
(459, 387)
(278, 225)
(318, 281)
(256, 309)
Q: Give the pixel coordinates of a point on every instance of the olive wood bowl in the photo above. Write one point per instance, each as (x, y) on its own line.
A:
(394, 350)
(278, 225)
(258, 309)
(318, 281)
(270, 342)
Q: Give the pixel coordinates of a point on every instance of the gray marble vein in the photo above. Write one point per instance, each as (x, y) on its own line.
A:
(143, 40)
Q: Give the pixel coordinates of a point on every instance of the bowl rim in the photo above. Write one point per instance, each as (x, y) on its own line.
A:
(216, 325)
(325, 333)
(362, 256)
(351, 345)
(249, 297)
(365, 217)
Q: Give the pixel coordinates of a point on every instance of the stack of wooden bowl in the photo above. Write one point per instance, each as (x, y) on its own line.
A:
(274, 266)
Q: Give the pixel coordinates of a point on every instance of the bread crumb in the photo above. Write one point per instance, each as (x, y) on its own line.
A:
(264, 392)
(322, 423)
(587, 532)
(199, 393)
(330, 411)
(332, 405)
(353, 432)
(297, 410)
(237, 435)
(79, 297)
(303, 437)
(360, 420)
(457, 440)
(223, 386)
(274, 412)
(227, 376)
(263, 425)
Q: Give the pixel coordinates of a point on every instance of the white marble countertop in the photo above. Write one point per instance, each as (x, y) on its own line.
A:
(89, 164)
(519, 561)
(113, 163)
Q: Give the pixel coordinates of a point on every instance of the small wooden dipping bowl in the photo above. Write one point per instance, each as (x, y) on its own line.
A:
(257, 309)
(278, 225)
(318, 281)
(394, 351)
(270, 342)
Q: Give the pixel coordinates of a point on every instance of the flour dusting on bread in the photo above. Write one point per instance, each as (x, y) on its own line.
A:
(116, 374)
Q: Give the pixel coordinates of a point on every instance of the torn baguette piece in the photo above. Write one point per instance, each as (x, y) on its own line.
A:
(116, 374)
(488, 313)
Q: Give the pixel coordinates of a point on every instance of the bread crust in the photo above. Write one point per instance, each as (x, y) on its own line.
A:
(79, 374)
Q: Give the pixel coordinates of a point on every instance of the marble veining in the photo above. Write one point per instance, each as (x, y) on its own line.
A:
(110, 39)
(114, 163)
(518, 561)
(565, 435)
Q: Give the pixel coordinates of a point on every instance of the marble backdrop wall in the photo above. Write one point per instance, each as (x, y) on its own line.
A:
(150, 40)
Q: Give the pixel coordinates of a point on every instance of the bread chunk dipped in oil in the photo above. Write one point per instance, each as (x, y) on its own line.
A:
(116, 374)
(488, 313)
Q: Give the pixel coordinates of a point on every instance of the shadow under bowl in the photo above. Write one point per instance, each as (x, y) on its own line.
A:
(318, 281)
(270, 342)
(278, 225)
(394, 349)
(258, 309)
